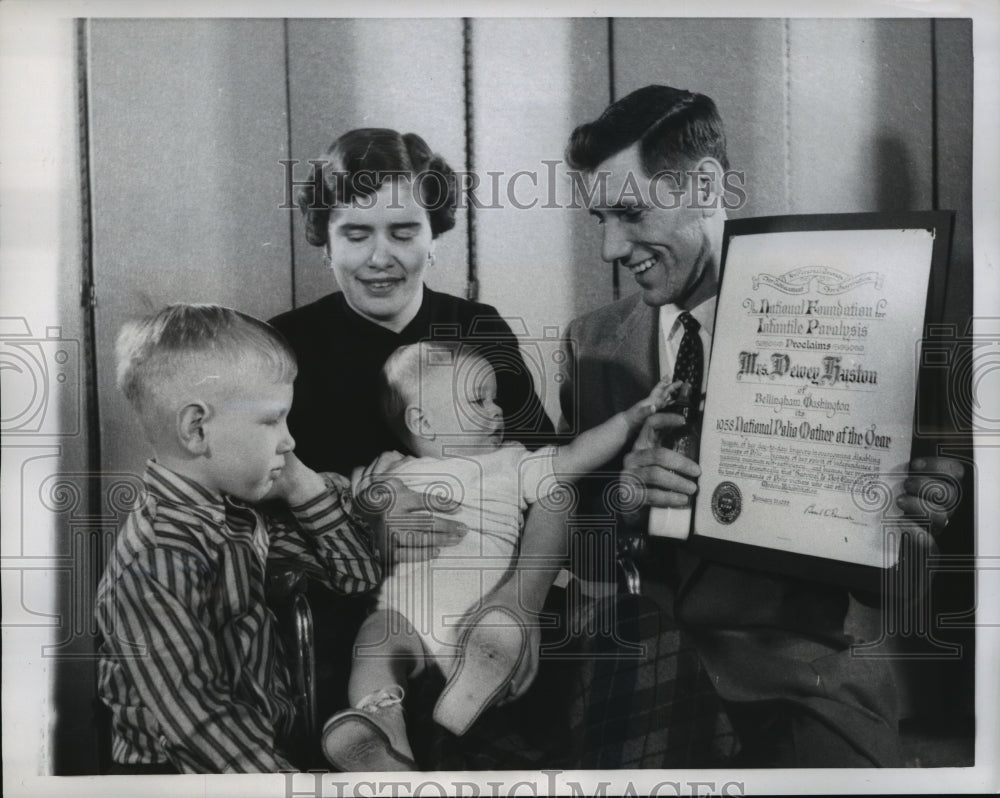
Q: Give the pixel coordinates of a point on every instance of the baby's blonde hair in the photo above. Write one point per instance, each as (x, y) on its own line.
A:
(184, 343)
(401, 375)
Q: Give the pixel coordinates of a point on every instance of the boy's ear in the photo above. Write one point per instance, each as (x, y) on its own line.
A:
(191, 427)
(417, 423)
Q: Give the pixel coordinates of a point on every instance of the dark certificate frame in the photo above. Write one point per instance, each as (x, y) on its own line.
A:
(852, 575)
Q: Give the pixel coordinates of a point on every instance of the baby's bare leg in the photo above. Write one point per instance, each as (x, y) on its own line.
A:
(372, 735)
(387, 651)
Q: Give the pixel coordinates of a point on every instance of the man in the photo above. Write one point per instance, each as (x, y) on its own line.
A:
(777, 648)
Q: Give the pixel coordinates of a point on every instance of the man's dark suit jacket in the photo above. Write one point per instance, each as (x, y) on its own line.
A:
(761, 636)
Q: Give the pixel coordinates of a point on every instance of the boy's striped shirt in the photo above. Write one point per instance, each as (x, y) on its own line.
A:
(191, 666)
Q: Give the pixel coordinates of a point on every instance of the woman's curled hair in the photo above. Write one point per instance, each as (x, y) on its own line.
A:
(360, 162)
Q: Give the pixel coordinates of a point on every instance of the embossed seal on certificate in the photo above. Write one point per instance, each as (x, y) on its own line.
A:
(727, 502)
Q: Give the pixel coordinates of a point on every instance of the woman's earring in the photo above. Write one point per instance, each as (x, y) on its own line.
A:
(430, 258)
(327, 259)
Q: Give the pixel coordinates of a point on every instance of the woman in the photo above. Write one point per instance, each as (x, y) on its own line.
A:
(384, 200)
(377, 209)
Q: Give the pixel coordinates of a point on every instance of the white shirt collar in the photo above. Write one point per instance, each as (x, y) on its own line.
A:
(704, 314)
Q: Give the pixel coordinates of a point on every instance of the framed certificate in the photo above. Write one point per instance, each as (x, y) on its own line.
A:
(808, 421)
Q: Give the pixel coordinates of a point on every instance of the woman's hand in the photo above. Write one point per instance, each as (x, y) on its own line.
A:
(407, 527)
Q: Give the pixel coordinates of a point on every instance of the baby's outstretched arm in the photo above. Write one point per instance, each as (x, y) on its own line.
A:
(593, 448)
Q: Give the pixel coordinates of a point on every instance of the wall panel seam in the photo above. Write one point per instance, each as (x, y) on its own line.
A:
(616, 287)
(89, 298)
(91, 409)
(786, 58)
(288, 149)
(472, 262)
(935, 173)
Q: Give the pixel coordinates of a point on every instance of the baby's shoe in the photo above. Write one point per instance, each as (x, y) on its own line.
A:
(371, 737)
(491, 651)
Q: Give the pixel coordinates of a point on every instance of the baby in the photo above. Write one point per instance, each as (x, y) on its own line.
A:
(440, 399)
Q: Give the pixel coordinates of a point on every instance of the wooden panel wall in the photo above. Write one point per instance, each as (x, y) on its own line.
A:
(401, 74)
(190, 119)
(186, 126)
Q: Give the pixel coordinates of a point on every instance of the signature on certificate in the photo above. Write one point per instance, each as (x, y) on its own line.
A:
(831, 512)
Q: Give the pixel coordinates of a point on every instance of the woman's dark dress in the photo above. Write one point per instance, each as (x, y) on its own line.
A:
(335, 418)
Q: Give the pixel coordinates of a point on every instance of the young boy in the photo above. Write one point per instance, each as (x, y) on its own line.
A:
(190, 665)
(440, 398)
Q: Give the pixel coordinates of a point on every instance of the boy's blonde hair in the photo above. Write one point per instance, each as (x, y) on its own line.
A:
(184, 344)
(402, 372)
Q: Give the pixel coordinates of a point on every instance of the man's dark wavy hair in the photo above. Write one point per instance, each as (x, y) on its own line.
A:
(674, 128)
